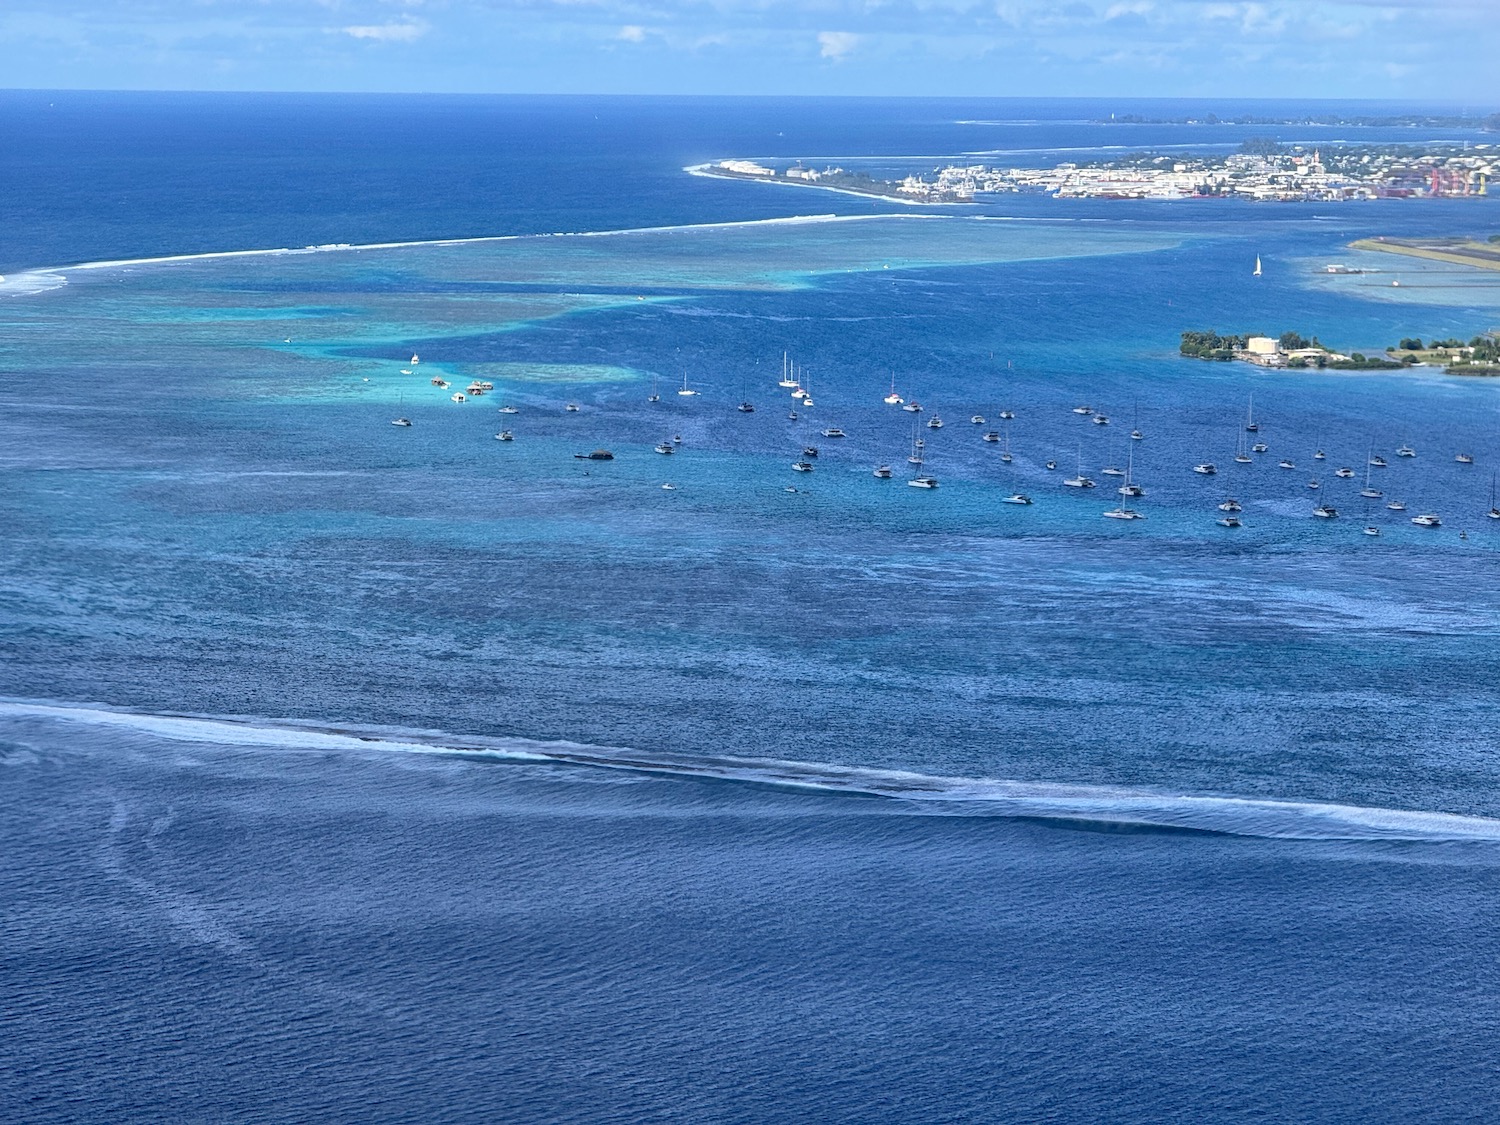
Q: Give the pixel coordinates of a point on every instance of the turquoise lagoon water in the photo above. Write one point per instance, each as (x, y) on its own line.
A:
(516, 787)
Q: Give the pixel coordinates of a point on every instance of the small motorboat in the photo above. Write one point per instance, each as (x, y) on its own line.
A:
(1319, 455)
(882, 472)
(1378, 461)
(1464, 458)
(1052, 464)
(1228, 521)
(1288, 464)
(1427, 520)
(676, 439)
(505, 435)
(809, 451)
(1083, 410)
(802, 466)
(596, 455)
(401, 421)
(1259, 447)
(509, 410)
(913, 407)
(669, 487)
(571, 408)
(1344, 472)
(1207, 469)
(666, 448)
(833, 432)
(993, 435)
(1103, 420)
(1395, 506)
(746, 408)
(1231, 505)
(1313, 484)
(978, 419)
(459, 396)
(1006, 415)
(1018, 498)
(1372, 531)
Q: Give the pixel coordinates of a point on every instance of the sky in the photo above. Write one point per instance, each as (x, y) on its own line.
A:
(1428, 50)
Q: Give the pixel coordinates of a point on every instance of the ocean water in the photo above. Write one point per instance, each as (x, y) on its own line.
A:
(406, 774)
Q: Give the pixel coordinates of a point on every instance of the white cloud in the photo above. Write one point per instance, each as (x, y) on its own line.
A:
(836, 44)
(406, 31)
(1129, 8)
(632, 33)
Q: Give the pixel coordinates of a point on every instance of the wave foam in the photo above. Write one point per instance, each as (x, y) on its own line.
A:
(43, 278)
(1077, 804)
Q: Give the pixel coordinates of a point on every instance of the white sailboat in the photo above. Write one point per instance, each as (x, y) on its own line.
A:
(1257, 266)
(686, 392)
(787, 379)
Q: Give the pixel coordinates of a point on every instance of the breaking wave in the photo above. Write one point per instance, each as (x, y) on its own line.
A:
(968, 796)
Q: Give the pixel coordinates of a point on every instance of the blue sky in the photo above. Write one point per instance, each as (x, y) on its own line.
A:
(1433, 50)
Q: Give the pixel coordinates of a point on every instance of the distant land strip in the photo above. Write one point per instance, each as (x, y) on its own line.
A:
(1459, 251)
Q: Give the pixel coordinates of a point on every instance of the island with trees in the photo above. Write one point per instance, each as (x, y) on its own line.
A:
(1293, 351)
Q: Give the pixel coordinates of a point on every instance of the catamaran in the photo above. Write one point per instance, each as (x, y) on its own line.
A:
(1079, 481)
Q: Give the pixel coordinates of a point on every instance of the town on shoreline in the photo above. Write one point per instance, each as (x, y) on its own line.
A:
(1262, 171)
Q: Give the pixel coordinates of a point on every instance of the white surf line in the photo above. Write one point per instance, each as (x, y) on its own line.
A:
(350, 247)
(1234, 816)
(704, 170)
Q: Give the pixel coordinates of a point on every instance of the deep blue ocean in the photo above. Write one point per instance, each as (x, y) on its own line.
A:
(399, 774)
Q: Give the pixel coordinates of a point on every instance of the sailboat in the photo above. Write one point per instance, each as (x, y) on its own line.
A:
(1130, 488)
(1240, 453)
(1005, 451)
(1251, 425)
(1368, 492)
(787, 379)
(1257, 266)
(655, 397)
(1494, 512)
(893, 399)
(685, 391)
(403, 420)
(1079, 481)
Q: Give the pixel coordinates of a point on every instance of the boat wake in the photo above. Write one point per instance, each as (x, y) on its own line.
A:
(1079, 805)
